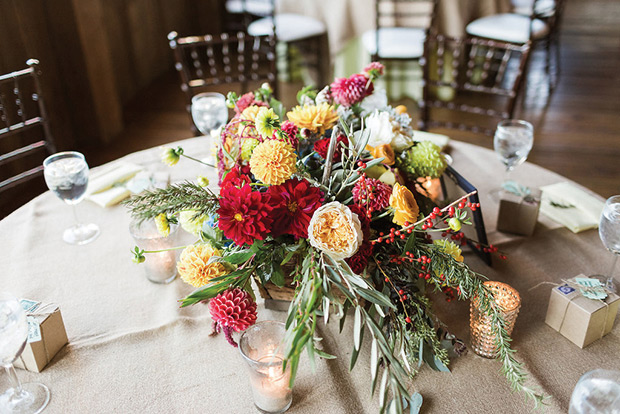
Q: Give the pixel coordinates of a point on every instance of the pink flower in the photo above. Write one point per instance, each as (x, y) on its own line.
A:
(291, 130)
(374, 70)
(245, 101)
(372, 193)
(351, 90)
(233, 309)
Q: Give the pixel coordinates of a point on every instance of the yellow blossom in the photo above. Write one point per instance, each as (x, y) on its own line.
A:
(450, 248)
(194, 266)
(190, 223)
(202, 181)
(266, 122)
(316, 118)
(384, 151)
(273, 162)
(171, 156)
(405, 207)
(163, 225)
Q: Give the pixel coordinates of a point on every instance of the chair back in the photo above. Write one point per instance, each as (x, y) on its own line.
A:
(470, 83)
(212, 60)
(409, 14)
(25, 138)
(418, 14)
(244, 12)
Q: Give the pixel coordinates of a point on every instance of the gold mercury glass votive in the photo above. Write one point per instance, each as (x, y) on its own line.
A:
(508, 301)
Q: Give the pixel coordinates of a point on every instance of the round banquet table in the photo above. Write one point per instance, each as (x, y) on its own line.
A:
(132, 349)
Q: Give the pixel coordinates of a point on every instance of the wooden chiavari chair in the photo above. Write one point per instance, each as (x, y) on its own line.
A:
(536, 21)
(25, 137)
(470, 83)
(211, 60)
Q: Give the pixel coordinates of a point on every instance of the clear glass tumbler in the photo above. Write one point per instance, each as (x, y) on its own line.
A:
(596, 392)
(161, 265)
(262, 348)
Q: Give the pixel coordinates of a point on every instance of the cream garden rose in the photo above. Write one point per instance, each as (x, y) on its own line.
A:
(385, 130)
(335, 230)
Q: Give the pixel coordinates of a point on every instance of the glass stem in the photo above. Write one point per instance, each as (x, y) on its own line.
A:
(15, 383)
(75, 216)
(610, 276)
(507, 174)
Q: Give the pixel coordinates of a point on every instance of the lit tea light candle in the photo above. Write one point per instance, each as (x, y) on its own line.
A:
(271, 386)
(261, 346)
(508, 303)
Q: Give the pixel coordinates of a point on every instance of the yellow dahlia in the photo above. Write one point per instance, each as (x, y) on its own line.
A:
(194, 266)
(316, 118)
(273, 162)
(249, 114)
(450, 248)
(266, 122)
(190, 223)
(163, 224)
(405, 207)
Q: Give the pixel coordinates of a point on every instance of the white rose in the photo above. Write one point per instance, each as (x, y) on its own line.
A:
(401, 141)
(377, 101)
(335, 230)
(380, 126)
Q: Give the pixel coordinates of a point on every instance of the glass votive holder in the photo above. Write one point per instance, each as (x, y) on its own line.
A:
(262, 348)
(508, 302)
(160, 267)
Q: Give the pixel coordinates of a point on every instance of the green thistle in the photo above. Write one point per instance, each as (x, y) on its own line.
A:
(266, 122)
(248, 147)
(423, 160)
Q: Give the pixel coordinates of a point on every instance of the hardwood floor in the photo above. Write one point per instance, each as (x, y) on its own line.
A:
(577, 130)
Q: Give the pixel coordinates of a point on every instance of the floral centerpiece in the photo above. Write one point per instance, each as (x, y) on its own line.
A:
(326, 199)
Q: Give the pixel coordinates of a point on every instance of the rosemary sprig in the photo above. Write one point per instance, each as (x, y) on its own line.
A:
(171, 200)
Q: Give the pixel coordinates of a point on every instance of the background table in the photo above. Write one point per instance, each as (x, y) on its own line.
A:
(132, 349)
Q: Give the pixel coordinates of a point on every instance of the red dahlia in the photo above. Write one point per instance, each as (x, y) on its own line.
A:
(351, 90)
(233, 309)
(322, 145)
(236, 177)
(291, 130)
(245, 215)
(359, 260)
(293, 204)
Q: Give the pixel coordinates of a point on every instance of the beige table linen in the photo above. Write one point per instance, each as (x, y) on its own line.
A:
(132, 349)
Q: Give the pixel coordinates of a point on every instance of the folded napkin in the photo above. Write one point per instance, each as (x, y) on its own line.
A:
(571, 207)
(106, 188)
(440, 140)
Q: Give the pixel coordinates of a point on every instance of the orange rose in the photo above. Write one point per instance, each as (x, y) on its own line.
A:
(405, 207)
(386, 152)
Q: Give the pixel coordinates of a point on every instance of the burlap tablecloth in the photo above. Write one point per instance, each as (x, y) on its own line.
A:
(132, 349)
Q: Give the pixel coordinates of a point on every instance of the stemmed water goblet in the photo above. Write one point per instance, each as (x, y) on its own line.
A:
(609, 232)
(21, 398)
(66, 175)
(210, 113)
(512, 142)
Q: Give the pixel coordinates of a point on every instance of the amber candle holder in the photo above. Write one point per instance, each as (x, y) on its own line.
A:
(508, 301)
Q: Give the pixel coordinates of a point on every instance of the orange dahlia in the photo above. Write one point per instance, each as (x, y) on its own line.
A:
(273, 162)
(194, 266)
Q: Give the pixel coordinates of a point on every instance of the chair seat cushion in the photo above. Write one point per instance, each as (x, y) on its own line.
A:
(395, 42)
(507, 27)
(255, 7)
(289, 27)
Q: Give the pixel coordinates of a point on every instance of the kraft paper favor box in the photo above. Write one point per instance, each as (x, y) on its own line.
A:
(518, 214)
(46, 336)
(578, 318)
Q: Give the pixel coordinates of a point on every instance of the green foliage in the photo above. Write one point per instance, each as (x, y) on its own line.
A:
(171, 200)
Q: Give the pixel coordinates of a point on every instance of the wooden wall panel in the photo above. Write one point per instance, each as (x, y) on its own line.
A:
(96, 55)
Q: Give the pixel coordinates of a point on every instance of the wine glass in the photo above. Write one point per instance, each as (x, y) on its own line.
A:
(20, 398)
(66, 174)
(596, 392)
(210, 113)
(512, 142)
(609, 232)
